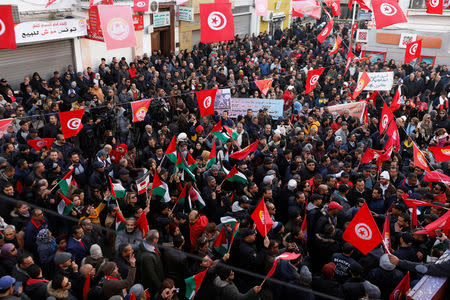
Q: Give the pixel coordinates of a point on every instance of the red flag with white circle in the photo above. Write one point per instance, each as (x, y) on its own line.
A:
(325, 31)
(435, 7)
(336, 46)
(217, 23)
(71, 122)
(205, 100)
(387, 12)
(386, 117)
(264, 85)
(394, 137)
(261, 7)
(396, 101)
(362, 83)
(312, 78)
(335, 6)
(140, 5)
(413, 51)
(38, 144)
(117, 26)
(362, 232)
(139, 109)
(419, 159)
(7, 33)
(350, 57)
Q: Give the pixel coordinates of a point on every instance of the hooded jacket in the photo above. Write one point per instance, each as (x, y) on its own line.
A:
(229, 291)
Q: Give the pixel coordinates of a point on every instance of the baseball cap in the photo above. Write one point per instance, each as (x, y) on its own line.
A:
(338, 138)
(6, 282)
(334, 205)
(385, 175)
(246, 232)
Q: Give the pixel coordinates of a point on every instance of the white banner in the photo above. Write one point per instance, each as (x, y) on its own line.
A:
(28, 32)
(239, 106)
(379, 81)
(223, 100)
(356, 109)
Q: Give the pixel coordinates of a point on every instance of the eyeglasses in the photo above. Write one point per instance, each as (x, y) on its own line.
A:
(13, 249)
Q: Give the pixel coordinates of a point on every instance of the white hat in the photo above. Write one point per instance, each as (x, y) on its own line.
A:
(292, 184)
(268, 179)
(291, 87)
(385, 175)
(182, 136)
(338, 138)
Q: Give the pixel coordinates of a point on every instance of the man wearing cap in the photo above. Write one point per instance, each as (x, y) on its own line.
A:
(7, 289)
(342, 132)
(386, 186)
(113, 284)
(240, 208)
(328, 216)
(227, 288)
(98, 177)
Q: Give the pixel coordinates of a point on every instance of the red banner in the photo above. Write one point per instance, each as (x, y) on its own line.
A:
(138, 22)
(117, 26)
(94, 29)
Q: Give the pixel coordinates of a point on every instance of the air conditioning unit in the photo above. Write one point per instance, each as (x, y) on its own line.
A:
(154, 6)
(268, 17)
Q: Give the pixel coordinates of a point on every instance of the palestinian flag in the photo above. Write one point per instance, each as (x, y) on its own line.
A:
(191, 162)
(65, 205)
(66, 182)
(182, 165)
(120, 221)
(171, 151)
(212, 159)
(235, 231)
(220, 244)
(235, 176)
(160, 188)
(223, 133)
(193, 283)
(182, 196)
(117, 190)
(194, 196)
(143, 183)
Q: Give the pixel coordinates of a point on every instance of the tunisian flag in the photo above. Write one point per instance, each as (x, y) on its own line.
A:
(386, 233)
(326, 31)
(261, 7)
(362, 83)
(264, 85)
(413, 51)
(306, 8)
(386, 117)
(350, 57)
(387, 12)
(262, 218)
(419, 158)
(217, 23)
(440, 153)
(240, 155)
(206, 100)
(284, 256)
(117, 26)
(441, 223)
(337, 45)
(71, 122)
(312, 78)
(139, 109)
(38, 144)
(435, 7)
(370, 154)
(362, 232)
(401, 290)
(335, 6)
(140, 5)
(434, 176)
(396, 101)
(7, 33)
(394, 138)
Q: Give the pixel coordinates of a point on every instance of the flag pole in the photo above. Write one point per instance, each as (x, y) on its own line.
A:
(386, 247)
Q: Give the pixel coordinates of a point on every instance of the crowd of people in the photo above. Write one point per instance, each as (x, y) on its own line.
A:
(307, 165)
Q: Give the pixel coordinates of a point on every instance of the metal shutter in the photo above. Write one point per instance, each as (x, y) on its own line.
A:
(44, 58)
(195, 37)
(242, 25)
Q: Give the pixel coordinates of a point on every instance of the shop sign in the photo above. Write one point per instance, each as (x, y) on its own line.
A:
(186, 13)
(161, 19)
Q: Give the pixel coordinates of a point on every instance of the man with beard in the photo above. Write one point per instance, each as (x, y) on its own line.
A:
(131, 235)
(113, 283)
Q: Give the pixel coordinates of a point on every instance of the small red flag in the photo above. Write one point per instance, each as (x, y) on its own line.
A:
(413, 51)
(386, 233)
(312, 78)
(284, 256)
(394, 137)
(242, 154)
(386, 117)
(396, 102)
(139, 109)
(363, 5)
(435, 7)
(7, 33)
(87, 286)
(373, 97)
(19, 187)
(142, 224)
(362, 232)
(132, 296)
(71, 122)
(38, 144)
(206, 100)
(362, 83)
(401, 290)
(336, 45)
(387, 12)
(350, 57)
(384, 157)
(262, 219)
(442, 223)
(264, 85)
(335, 6)
(419, 158)
(326, 31)
(370, 154)
(440, 153)
(217, 23)
(140, 5)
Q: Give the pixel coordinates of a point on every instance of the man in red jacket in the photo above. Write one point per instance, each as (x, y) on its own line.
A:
(197, 224)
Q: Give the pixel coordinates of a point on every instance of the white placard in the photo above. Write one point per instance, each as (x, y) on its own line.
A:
(186, 13)
(161, 19)
(36, 31)
(379, 81)
(239, 106)
(406, 38)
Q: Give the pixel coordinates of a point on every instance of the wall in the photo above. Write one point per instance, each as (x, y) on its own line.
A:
(285, 7)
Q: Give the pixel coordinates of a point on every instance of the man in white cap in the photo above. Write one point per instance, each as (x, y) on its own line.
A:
(386, 186)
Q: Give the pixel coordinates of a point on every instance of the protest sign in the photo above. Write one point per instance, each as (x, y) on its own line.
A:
(380, 81)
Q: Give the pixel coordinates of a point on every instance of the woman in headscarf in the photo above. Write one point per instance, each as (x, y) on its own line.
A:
(8, 259)
(96, 258)
(46, 246)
